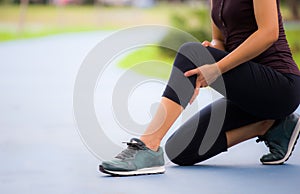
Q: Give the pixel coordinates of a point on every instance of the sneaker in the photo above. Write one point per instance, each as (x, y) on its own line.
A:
(136, 159)
(281, 139)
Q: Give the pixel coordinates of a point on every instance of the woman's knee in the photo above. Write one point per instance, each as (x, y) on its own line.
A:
(188, 47)
(171, 151)
(184, 58)
(175, 155)
(179, 160)
(216, 53)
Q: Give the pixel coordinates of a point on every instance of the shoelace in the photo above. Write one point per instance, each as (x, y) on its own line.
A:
(263, 139)
(274, 148)
(130, 151)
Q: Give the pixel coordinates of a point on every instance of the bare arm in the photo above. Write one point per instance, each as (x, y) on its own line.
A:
(217, 37)
(266, 34)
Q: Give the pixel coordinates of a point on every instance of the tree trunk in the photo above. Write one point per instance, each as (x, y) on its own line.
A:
(293, 4)
(22, 17)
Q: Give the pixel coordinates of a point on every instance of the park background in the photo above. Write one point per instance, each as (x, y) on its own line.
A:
(21, 19)
(42, 46)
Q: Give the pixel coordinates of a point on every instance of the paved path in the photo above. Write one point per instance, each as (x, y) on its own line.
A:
(41, 150)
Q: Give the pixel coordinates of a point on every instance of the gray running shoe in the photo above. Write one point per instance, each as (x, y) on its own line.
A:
(136, 159)
(281, 139)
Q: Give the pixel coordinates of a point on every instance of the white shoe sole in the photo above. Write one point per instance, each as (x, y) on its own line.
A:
(143, 171)
(292, 144)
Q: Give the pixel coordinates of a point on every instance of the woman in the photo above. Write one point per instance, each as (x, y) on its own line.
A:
(262, 90)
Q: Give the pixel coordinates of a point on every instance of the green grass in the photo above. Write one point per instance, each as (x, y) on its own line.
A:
(148, 61)
(294, 42)
(43, 20)
(7, 35)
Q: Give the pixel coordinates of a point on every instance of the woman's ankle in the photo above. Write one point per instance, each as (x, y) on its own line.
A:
(151, 143)
(265, 126)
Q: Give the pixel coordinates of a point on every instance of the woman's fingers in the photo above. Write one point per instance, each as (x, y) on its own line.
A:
(198, 82)
(206, 43)
(192, 72)
(196, 92)
(206, 74)
(197, 89)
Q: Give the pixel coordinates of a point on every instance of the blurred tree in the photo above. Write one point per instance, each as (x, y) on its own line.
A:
(294, 7)
(22, 17)
(183, 1)
(196, 22)
(31, 1)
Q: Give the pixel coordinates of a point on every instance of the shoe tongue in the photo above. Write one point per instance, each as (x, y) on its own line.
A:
(136, 140)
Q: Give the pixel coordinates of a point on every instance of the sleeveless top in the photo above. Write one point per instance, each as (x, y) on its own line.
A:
(236, 20)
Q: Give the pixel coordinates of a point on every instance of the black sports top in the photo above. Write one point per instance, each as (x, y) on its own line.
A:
(236, 21)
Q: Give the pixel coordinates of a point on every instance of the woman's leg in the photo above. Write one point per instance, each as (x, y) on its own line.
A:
(177, 94)
(253, 88)
(238, 135)
(178, 91)
(167, 113)
(185, 146)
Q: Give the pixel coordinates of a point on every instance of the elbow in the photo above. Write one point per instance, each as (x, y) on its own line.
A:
(272, 35)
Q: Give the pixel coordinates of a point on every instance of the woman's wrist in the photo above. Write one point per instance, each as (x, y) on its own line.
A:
(220, 67)
(218, 44)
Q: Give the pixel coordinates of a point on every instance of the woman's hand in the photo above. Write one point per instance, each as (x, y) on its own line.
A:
(206, 74)
(207, 43)
(218, 44)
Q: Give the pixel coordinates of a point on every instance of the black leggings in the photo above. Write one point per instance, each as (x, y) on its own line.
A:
(252, 92)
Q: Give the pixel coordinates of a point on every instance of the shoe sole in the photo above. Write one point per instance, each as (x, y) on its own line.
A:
(143, 171)
(291, 147)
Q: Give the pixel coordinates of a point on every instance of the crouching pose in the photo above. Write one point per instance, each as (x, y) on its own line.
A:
(250, 63)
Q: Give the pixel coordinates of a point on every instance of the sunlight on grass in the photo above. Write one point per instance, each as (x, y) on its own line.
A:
(6, 35)
(148, 61)
(41, 20)
(294, 42)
